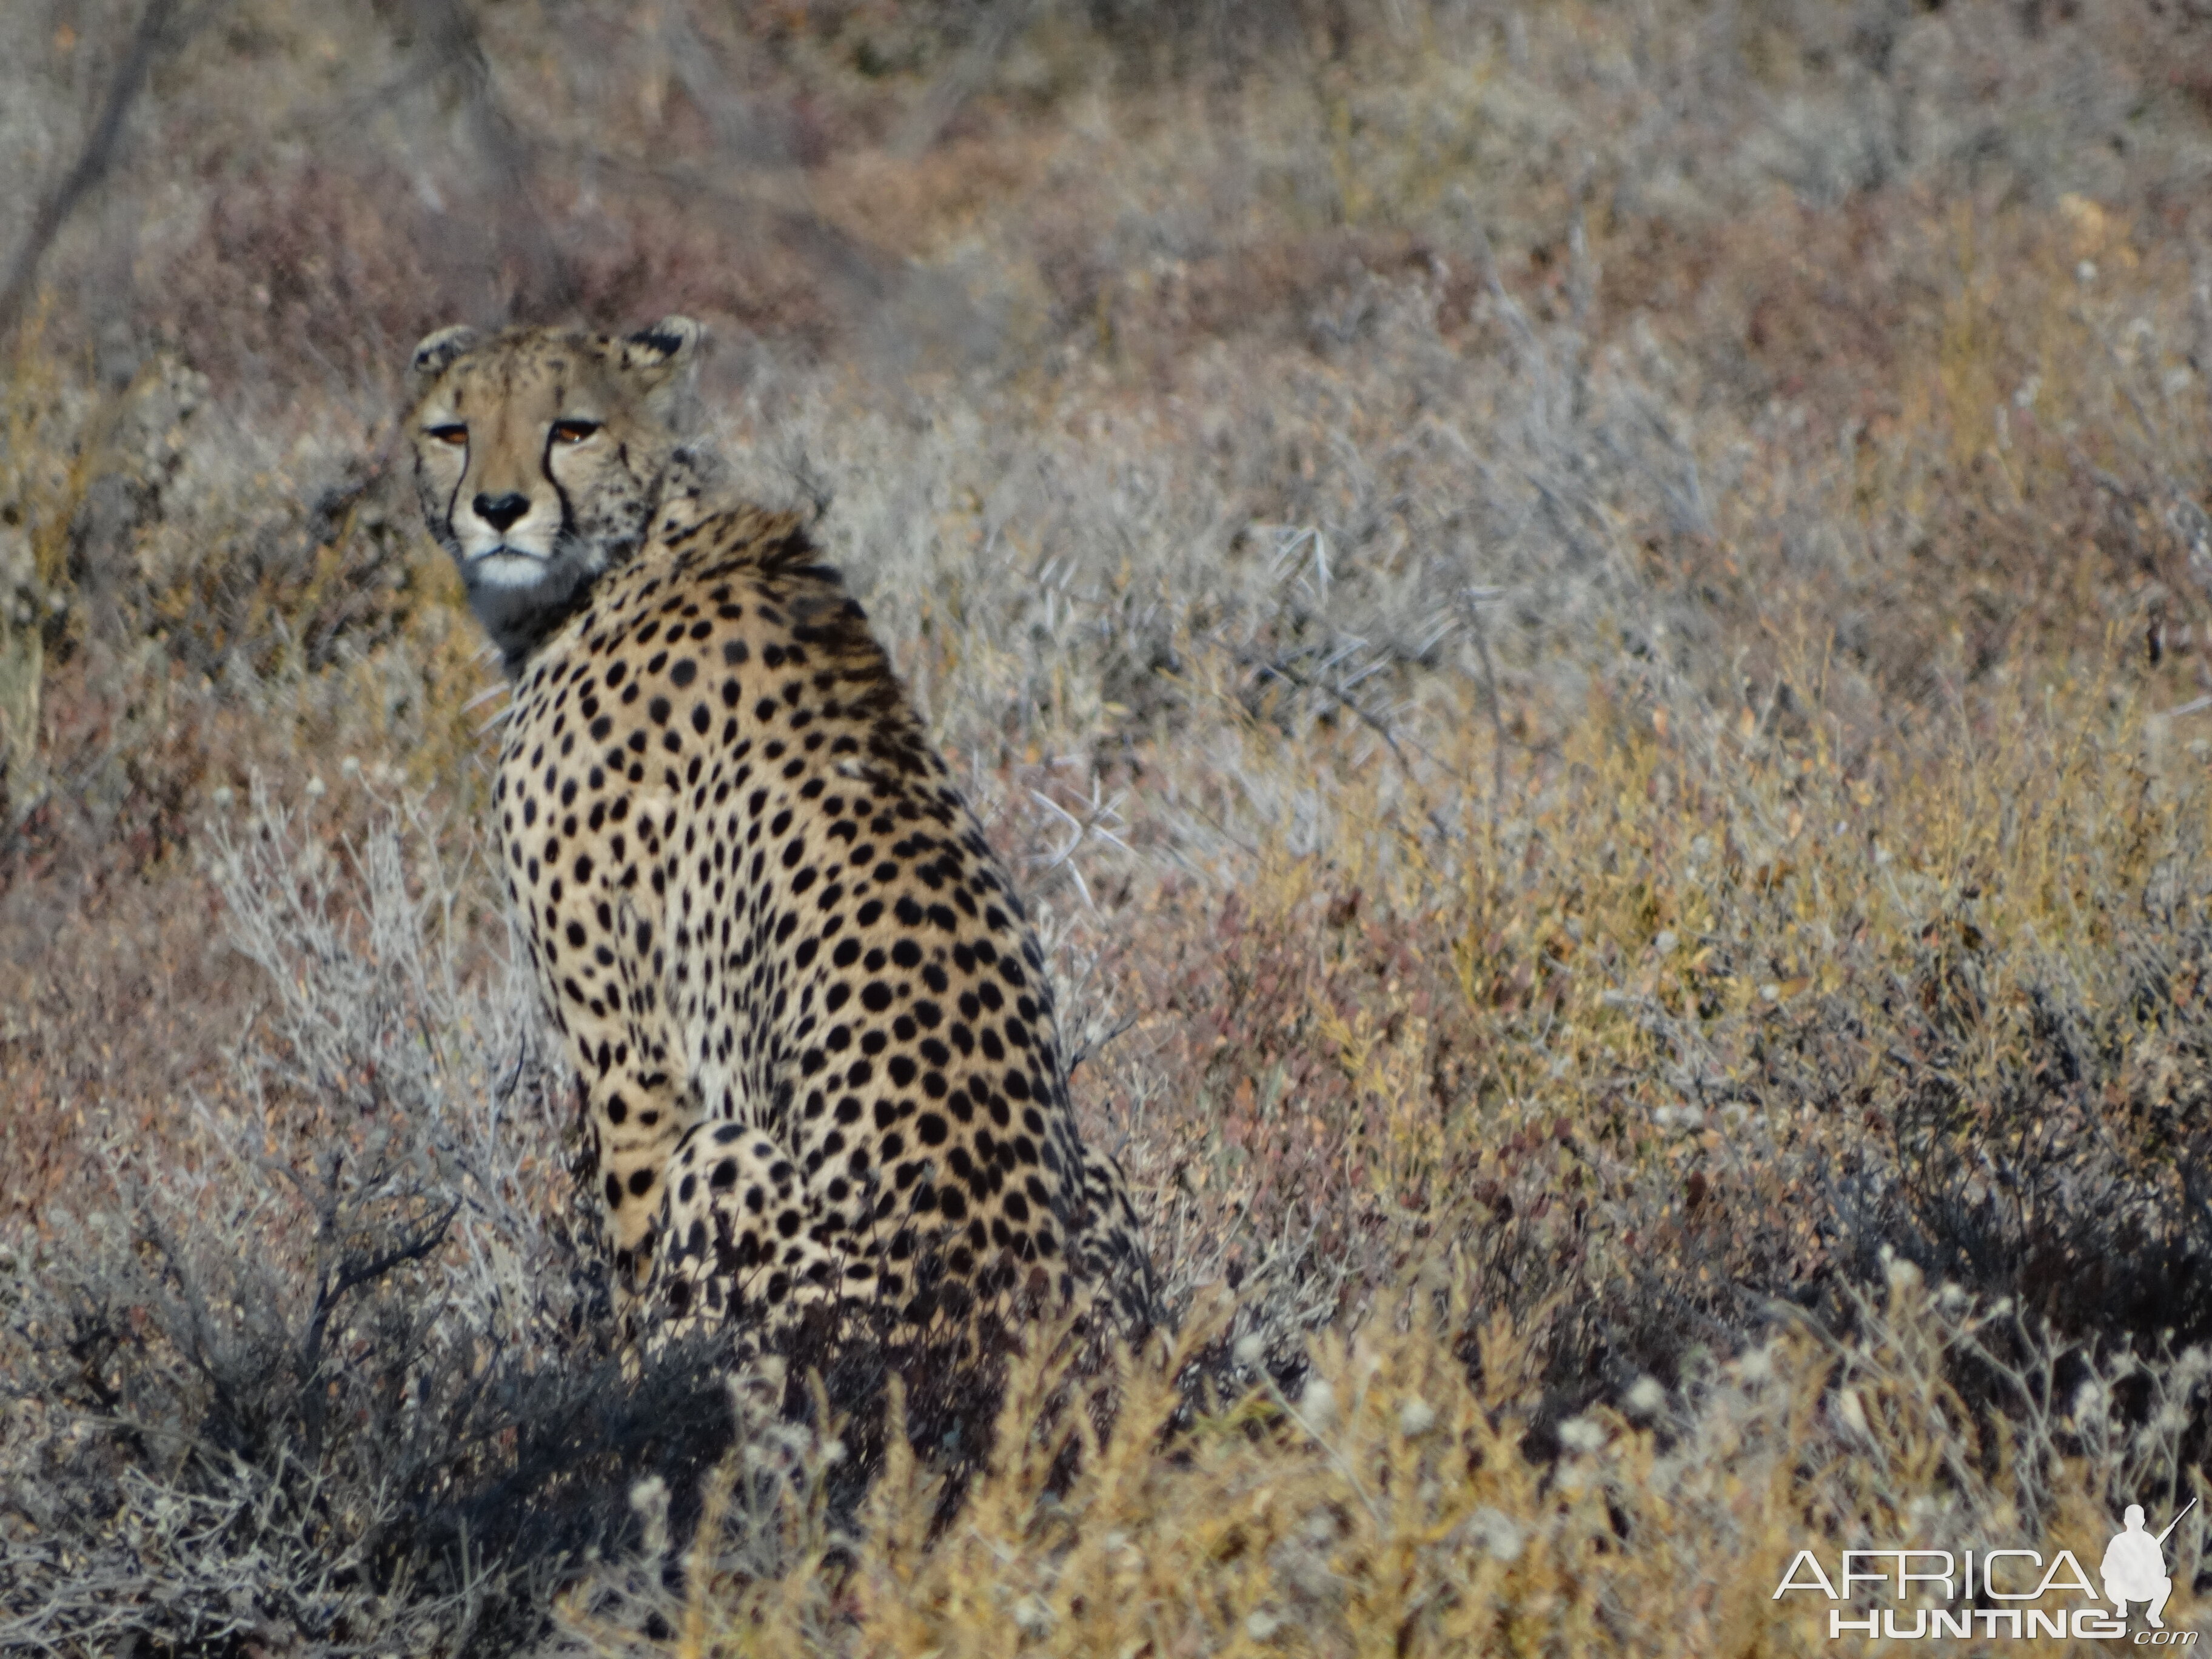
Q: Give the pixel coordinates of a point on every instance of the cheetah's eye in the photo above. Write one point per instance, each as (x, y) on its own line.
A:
(573, 432)
(452, 432)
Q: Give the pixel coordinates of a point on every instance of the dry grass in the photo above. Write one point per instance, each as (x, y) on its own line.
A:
(1391, 1507)
(1589, 627)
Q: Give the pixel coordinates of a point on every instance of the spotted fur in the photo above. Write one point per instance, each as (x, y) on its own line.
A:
(816, 1035)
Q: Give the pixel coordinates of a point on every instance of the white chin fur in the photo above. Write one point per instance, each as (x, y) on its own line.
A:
(504, 568)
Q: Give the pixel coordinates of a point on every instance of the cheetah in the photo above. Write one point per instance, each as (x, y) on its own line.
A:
(812, 1024)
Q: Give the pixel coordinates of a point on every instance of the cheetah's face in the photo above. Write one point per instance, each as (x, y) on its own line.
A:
(539, 457)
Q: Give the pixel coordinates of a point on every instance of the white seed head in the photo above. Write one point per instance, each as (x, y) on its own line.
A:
(649, 1497)
(1500, 1534)
(1903, 1277)
(1581, 1435)
(1851, 1412)
(1317, 1405)
(1416, 1418)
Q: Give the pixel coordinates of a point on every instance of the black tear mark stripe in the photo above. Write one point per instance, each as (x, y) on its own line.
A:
(546, 466)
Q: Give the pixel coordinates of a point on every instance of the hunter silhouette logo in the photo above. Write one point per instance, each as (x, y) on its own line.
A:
(2135, 1565)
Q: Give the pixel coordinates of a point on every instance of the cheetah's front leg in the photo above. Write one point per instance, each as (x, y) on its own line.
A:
(637, 1106)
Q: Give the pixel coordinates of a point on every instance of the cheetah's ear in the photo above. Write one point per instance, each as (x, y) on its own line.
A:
(660, 360)
(439, 349)
(655, 355)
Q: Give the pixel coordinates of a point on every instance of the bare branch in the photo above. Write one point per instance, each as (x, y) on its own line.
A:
(153, 37)
(453, 44)
(964, 77)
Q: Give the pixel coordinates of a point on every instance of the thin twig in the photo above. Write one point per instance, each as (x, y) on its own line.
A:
(1497, 717)
(1283, 670)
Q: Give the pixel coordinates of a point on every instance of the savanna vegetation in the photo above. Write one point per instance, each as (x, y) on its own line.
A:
(1588, 622)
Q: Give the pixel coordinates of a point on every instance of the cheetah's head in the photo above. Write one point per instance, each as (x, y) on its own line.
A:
(539, 455)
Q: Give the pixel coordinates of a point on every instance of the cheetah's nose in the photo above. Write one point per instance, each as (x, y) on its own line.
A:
(501, 511)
